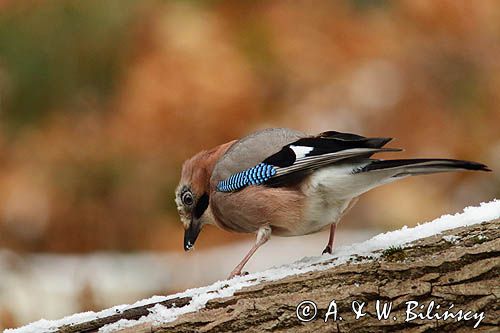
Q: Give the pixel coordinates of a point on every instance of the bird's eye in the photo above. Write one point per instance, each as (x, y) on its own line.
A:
(187, 198)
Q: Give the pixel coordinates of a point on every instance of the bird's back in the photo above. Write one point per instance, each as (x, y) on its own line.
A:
(253, 149)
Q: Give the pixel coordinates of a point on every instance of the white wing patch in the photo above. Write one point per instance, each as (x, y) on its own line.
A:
(301, 151)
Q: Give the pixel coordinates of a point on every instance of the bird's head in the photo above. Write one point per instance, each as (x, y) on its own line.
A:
(192, 195)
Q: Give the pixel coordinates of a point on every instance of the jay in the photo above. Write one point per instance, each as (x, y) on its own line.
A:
(283, 182)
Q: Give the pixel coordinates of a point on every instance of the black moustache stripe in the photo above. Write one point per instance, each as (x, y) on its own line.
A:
(201, 206)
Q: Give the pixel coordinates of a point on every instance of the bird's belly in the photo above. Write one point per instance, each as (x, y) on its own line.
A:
(319, 213)
(322, 212)
(324, 203)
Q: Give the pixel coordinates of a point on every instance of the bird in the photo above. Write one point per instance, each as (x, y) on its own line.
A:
(284, 182)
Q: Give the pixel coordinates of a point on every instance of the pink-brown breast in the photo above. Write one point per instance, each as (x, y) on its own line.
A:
(255, 206)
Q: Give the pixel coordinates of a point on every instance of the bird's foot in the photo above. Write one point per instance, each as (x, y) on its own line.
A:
(328, 249)
(237, 273)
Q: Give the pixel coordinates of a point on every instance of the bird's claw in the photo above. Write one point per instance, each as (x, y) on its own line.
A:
(327, 249)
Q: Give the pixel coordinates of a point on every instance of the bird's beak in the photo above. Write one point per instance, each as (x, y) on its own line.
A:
(190, 235)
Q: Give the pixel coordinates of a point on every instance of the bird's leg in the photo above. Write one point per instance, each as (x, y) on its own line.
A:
(329, 247)
(263, 236)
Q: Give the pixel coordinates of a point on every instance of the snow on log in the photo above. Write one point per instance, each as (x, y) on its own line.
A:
(440, 275)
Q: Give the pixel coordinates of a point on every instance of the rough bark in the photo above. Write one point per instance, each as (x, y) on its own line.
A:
(464, 271)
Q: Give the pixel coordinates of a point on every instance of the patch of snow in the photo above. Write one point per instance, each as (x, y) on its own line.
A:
(44, 325)
(453, 239)
(200, 296)
(482, 237)
(120, 324)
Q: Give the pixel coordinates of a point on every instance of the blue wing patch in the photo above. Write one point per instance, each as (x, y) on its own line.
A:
(256, 175)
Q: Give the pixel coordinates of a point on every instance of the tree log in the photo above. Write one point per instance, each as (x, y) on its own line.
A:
(462, 268)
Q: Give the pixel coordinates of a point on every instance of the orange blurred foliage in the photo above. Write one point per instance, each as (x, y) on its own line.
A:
(97, 171)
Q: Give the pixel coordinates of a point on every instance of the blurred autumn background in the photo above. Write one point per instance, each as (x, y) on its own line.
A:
(101, 102)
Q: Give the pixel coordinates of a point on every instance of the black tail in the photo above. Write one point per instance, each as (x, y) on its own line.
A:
(423, 166)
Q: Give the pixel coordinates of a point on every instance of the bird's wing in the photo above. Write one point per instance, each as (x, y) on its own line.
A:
(251, 150)
(274, 159)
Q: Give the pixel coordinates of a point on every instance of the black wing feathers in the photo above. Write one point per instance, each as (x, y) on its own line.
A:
(300, 158)
(285, 157)
(341, 136)
(324, 143)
